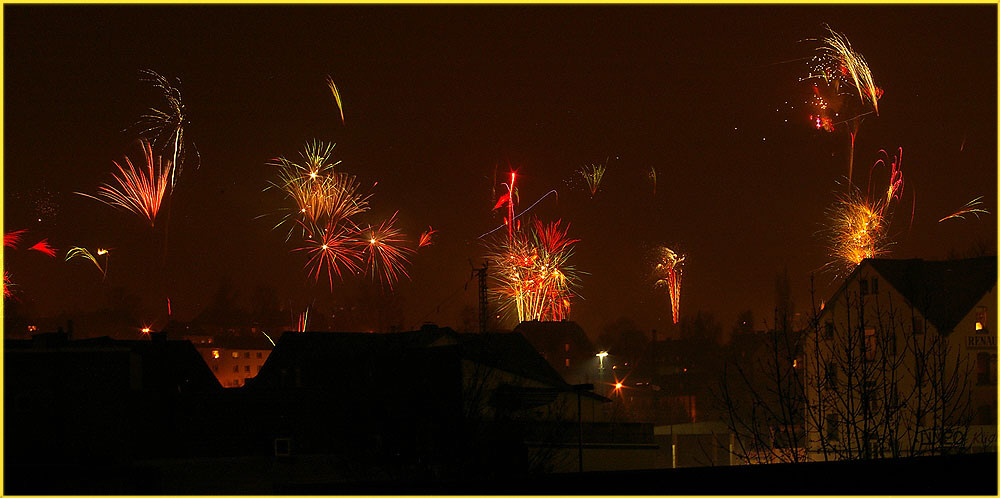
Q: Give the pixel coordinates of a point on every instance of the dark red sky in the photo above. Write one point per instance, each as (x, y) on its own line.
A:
(438, 98)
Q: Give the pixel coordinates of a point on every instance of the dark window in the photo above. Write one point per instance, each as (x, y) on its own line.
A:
(986, 370)
(874, 285)
(828, 333)
(918, 325)
(259, 354)
(246, 369)
(831, 375)
(864, 286)
(985, 415)
(832, 427)
(247, 354)
(236, 368)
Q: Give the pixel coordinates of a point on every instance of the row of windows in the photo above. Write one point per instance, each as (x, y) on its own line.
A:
(829, 329)
(236, 354)
(236, 368)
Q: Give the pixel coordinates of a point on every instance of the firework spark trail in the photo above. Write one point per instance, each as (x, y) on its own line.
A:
(8, 285)
(553, 191)
(387, 256)
(425, 237)
(668, 272)
(652, 176)
(12, 239)
(303, 323)
(593, 174)
(165, 128)
(80, 252)
(334, 248)
(44, 247)
(969, 208)
(336, 96)
(139, 192)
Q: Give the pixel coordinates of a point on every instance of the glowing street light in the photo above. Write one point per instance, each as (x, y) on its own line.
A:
(601, 355)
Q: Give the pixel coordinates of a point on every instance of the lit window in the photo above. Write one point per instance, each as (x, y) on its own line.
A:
(236, 354)
(32, 328)
(567, 346)
(215, 354)
(567, 362)
(980, 318)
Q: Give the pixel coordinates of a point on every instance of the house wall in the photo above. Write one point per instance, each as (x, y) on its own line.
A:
(233, 366)
(888, 317)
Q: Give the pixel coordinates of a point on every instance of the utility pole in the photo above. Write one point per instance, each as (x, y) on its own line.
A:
(483, 316)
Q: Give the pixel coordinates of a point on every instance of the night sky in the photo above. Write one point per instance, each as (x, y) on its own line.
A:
(441, 102)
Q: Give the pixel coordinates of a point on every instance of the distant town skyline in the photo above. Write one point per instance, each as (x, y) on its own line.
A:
(701, 118)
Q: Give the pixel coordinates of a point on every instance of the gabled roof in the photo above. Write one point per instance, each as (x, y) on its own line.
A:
(510, 352)
(942, 291)
(548, 336)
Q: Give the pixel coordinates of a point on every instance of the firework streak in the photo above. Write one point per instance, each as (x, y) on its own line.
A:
(969, 208)
(668, 272)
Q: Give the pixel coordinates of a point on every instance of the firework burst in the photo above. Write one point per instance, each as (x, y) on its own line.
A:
(971, 207)
(593, 174)
(333, 249)
(326, 202)
(386, 254)
(839, 62)
(322, 196)
(138, 191)
(165, 127)
(12, 239)
(44, 247)
(667, 272)
(425, 237)
(80, 252)
(533, 278)
(859, 224)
